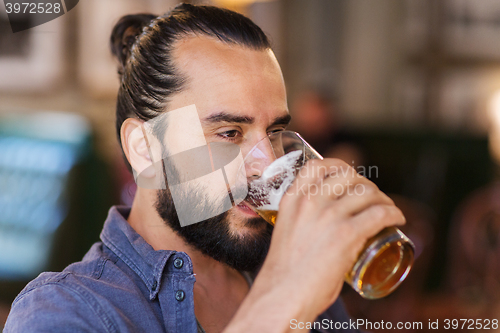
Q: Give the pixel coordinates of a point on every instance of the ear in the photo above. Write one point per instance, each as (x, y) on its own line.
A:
(135, 147)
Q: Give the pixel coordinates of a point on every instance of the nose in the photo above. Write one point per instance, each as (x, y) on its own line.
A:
(259, 157)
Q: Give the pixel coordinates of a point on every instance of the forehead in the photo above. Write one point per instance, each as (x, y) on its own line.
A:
(230, 77)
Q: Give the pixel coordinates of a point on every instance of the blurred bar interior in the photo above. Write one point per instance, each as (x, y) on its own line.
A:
(406, 90)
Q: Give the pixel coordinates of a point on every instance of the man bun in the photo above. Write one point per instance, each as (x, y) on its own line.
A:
(125, 33)
(144, 45)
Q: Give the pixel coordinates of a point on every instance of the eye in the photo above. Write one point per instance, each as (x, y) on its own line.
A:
(276, 130)
(229, 135)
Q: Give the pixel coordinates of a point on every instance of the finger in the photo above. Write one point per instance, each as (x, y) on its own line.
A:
(327, 172)
(318, 184)
(334, 187)
(312, 173)
(360, 197)
(298, 194)
(375, 218)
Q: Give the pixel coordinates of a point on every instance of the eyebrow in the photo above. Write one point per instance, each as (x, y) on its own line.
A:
(224, 117)
(283, 120)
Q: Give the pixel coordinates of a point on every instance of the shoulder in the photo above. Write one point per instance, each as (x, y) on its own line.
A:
(62, 301)
(52, 303)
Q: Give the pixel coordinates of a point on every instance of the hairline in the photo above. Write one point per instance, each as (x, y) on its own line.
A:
(185, 79)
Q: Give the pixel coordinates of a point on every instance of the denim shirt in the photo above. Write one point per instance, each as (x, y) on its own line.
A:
(121, 285)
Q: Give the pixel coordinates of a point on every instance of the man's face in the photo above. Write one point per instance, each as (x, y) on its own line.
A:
(240, 97)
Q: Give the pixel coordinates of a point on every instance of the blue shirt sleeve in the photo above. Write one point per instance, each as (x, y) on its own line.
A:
(53, 308)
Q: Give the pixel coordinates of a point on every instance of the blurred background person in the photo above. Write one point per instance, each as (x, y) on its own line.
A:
(316, 118)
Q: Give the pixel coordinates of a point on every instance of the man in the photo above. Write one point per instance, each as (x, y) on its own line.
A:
(149, 274)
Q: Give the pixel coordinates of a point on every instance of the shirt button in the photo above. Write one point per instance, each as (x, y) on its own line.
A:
(178, 263)
(180, 295)
(155, 284)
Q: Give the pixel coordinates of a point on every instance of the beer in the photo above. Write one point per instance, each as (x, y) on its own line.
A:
(383, 264)
(268, 215)
(380, 268)
(273, 164)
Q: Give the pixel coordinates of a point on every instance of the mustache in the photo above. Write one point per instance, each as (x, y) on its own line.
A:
(255, 194)
(258, 191)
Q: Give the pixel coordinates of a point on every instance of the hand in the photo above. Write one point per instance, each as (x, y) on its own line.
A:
(324, 220)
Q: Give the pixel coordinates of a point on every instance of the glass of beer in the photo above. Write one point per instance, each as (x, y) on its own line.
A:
(271, 167)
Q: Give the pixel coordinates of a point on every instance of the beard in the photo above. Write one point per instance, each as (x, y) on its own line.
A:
(213, 236)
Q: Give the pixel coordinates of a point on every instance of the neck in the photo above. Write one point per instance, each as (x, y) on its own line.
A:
(219, 289)
(147, 223)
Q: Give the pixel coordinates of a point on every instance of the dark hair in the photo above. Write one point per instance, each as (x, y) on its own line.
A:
(143, 44)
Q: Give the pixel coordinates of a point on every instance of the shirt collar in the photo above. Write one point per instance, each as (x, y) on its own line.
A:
(129, 246)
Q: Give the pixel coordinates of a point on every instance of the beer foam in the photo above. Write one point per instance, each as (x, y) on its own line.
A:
(275, 180)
